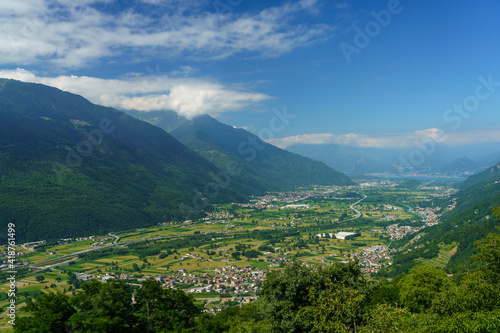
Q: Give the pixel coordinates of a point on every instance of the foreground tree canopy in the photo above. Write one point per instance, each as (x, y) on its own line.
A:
(108, 307)
(335, 298)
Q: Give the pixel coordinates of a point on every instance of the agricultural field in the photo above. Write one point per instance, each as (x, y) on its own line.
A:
(229, 251)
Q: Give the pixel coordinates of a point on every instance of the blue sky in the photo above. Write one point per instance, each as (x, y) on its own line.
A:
(346, 77)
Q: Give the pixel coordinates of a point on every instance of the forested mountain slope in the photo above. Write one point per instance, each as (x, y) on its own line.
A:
(72, 168)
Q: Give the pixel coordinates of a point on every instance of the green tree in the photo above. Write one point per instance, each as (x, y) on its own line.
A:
(472, 295)
(299, 299)
(164, 310)
(334, 309)
(388, 319)
(421, 286)
(245, 319)
(49, 313)
(489, 253)
(104, 307)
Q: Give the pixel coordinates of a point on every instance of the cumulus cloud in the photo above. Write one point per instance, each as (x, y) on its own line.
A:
(188, 97)
(394, 140)
(73, 34)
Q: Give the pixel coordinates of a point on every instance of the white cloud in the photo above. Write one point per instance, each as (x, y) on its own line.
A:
(250, 128)
(188, 97)
(395, 140)
(72, 34)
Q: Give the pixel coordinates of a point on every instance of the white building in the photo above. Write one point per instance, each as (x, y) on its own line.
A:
(296, 207)
(343, 234)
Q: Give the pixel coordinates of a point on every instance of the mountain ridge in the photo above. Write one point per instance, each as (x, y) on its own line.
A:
(223, 144)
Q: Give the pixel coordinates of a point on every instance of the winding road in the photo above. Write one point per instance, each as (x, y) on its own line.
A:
(358, 213)
(116, 238)
(429, 182)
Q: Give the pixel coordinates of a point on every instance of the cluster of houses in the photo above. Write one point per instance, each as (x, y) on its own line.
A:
(98, 241)
(395, 231)
(224, 301)
(373, 258)
(392, 208)
(388, 218)
(290, 206)
(32, 244)
(229, 279)
(233, 273)
(431, 218)
(445, 192)
(269, 200)
(220, 215)
(278, 260)
(238, 279)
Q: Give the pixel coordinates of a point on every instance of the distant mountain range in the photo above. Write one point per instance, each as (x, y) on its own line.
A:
(351, 160)
(71, 168)
(445, 161)
(461, 166)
